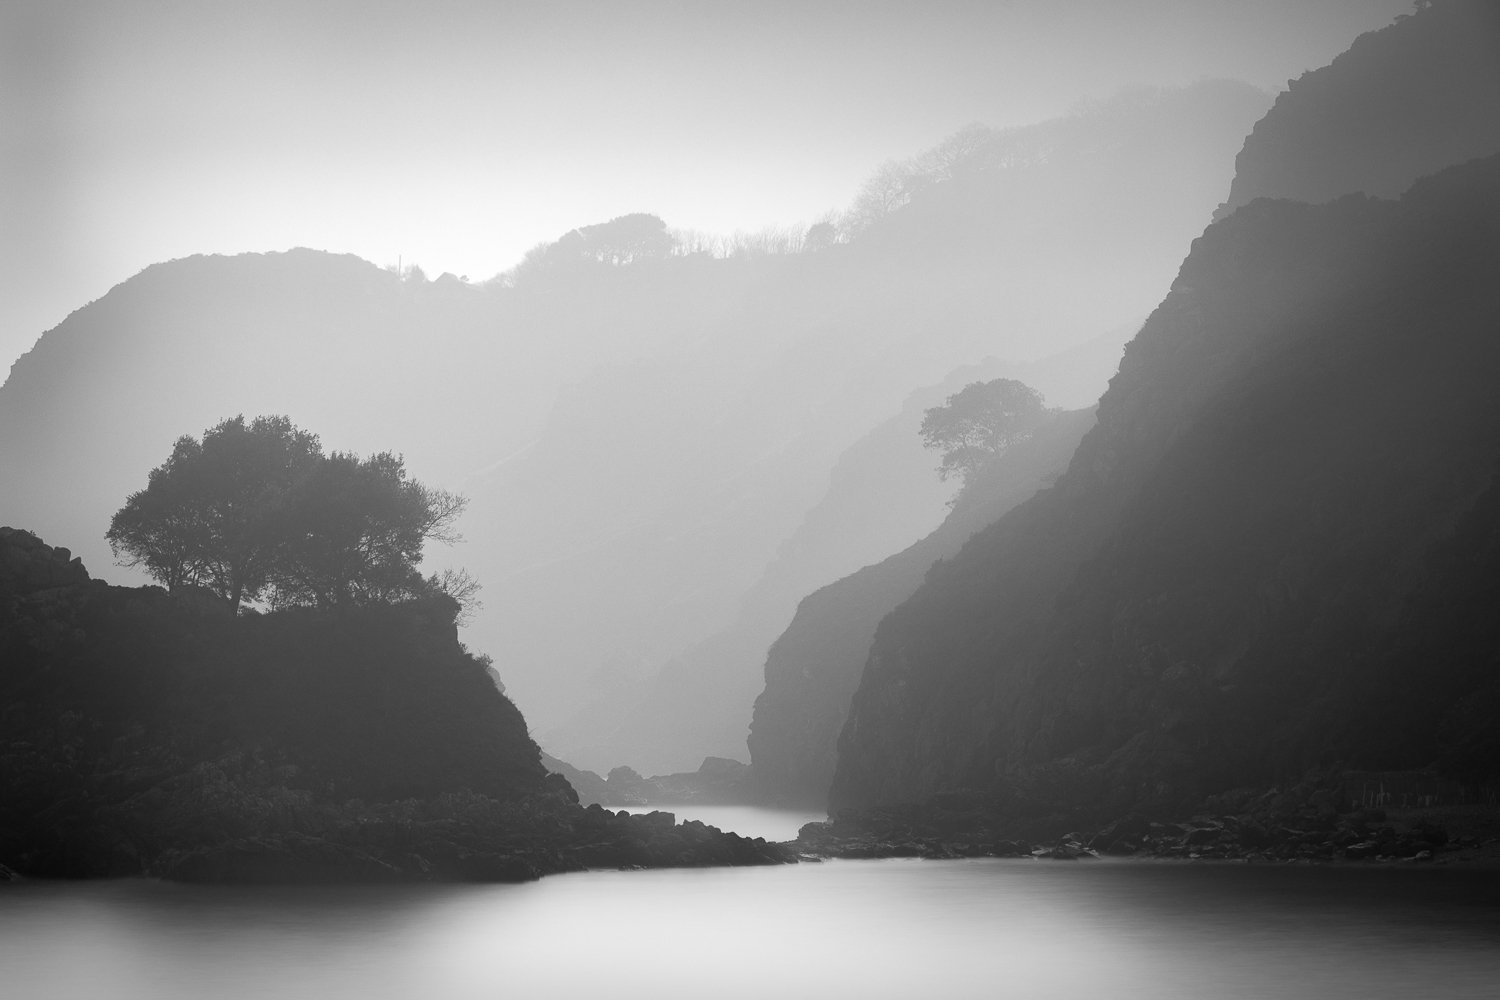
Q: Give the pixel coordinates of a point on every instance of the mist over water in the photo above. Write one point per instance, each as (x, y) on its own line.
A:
(958, 929)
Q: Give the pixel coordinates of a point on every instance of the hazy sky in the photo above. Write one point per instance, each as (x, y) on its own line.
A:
(459, 135)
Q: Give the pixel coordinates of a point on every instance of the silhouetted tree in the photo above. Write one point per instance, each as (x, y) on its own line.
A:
(206, 516)
(626, 239)
(352, 531)
(980, 422)
(258, 508)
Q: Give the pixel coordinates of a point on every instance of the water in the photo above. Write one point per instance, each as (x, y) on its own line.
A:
(869, 929)
(747, 821)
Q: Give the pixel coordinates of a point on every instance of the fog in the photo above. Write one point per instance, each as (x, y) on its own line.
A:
(657, 453)
(459, 135)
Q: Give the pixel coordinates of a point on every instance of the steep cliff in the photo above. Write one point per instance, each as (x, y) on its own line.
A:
(147, 733)
(1204, 597)
(1402, 102)
(813, 668)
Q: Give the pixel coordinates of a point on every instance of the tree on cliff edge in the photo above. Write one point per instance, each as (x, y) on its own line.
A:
(205, 517)
(980, 422)
(258, 510)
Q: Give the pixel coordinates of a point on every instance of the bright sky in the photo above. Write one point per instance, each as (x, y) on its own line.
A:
(459, 135)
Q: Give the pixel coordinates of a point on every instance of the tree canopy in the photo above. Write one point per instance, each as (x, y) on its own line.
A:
(258, 511)
(980, 422)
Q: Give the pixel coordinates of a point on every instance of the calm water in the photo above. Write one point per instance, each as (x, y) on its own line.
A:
(902, 928)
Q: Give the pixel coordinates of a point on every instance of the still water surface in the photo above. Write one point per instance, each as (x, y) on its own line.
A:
(899, 928)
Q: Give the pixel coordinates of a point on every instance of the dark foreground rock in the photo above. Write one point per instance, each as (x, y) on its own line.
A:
(145, 733)
(1329, 815)
(466, 839)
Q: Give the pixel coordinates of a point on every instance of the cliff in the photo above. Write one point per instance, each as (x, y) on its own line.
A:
(154, 734)
(1211, 594)
(814, 667)
(638, 442)
(1402, 102)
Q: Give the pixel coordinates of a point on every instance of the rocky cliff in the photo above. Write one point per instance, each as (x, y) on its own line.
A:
(1211, 594)
(1402, 102)
(147, 733)
(813, 668)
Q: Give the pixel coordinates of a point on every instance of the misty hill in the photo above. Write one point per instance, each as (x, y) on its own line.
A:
(638, 438)
(814, 667)
(148, 734)
(1227, 585)
(882, 492)
(662, 489)
(1402, 102)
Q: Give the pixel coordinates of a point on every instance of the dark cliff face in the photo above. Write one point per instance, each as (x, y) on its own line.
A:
(1205, 596)
(814, 667)
(118, 699)
(1401, 103)
(147, 733)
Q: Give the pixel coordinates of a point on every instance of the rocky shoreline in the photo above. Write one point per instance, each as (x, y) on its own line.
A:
(1321, 819)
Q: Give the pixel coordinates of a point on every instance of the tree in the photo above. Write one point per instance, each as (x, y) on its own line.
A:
(158, 529)
(255, 510)
(206, 513)
(627, 239)
(980, 422)
(352, 531)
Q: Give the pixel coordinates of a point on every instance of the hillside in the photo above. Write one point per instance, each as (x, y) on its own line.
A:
(1402, 102)
(148, 734)
(1212, 595)
(814, 667)
(882, 494)
(637, 440)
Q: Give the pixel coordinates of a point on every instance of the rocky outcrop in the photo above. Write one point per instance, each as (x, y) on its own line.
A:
(1401, 103)
(1209, 594)
(143, 733)
(812, 670)
(1328, 815)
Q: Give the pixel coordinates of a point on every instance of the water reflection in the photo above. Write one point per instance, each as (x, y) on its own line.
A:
(854, 928)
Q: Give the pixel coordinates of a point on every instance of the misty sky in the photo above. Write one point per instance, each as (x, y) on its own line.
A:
(458, 135)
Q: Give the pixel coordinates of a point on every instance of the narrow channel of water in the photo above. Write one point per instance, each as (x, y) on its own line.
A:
(868, 929)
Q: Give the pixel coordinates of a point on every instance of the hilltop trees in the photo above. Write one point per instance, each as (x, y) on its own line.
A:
(258, 511)
(980, 422)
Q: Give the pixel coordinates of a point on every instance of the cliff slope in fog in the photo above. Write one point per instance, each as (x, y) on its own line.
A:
(1402, 102)
(1212, 592)
(814, 667)
(641, 539)
(148, 734)
(637, 439)
(882, 493)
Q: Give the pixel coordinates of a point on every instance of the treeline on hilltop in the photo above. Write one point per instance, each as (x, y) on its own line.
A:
(968, 158)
